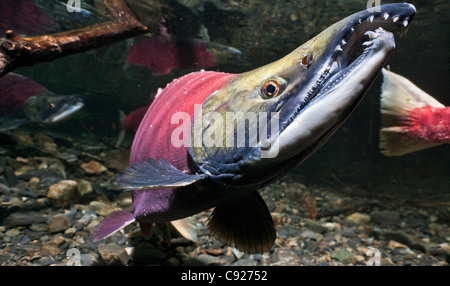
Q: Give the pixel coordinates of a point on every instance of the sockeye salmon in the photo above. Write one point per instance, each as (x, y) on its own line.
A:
(213, 139)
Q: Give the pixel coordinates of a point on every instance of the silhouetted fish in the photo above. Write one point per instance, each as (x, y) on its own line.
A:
(164, 53)
(24, 18)
(23, 100)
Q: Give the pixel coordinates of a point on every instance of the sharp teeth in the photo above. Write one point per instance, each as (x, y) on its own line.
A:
(385, 16)
(343, 42)
(368, 43)
(359, 21)
(405, 23)
(379, 30)
(339, 48)
(371, 34)
(352, 29)
(395, 19)
(370, 19)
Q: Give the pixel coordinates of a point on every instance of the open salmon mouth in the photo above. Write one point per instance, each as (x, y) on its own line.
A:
(353, 46)
(355, 43)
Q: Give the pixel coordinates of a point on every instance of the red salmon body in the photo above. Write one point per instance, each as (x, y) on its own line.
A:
(153, 140)
(163, 53)
(429, 123)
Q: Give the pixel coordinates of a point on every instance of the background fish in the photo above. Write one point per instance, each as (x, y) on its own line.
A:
(23, 100)
(412, 119)
(164, 53)
(25, 18)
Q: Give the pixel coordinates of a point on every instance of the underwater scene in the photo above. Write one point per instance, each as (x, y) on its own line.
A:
(224, 133)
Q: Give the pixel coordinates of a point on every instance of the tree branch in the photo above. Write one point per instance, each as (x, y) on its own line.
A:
(16, 52)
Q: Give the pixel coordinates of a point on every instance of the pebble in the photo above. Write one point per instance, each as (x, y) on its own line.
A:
(58, 223)
(385, 217)
(64, 193)
(113, 255)
(41, 222)
(344, 256)
(102, 208)
(93, 168)
(285, 256)
(147, 253)
(358, 218)
(86, 191)
(23, 218)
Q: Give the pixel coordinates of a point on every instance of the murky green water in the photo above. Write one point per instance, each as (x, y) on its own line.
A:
(264, 31)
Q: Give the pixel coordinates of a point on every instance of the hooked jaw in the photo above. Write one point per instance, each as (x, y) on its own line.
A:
(357, 49)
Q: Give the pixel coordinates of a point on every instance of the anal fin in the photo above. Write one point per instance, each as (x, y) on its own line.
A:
(244, 221)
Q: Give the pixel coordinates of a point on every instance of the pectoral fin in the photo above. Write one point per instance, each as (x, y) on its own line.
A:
(244, 221)
(151, 174)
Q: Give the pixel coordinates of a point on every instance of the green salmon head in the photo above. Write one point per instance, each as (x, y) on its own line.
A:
(51, 107)
(265, 121)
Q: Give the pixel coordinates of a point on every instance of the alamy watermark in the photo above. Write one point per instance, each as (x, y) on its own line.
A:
(235, 129)
(73, 6)
(74, 256)
(374, 5)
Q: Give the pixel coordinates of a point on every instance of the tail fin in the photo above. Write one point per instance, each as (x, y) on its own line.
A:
(186, 227)
(399, 97)
(113, 222)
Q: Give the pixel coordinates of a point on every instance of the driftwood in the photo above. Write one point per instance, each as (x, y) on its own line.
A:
(16, 52)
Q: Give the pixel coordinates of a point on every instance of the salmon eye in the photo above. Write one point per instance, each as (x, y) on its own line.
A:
(51, 105)
(273, 87)
(270, 89)
(307, 60)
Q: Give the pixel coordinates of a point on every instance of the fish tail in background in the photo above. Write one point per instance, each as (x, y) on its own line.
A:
(400, 102)
(113, 222)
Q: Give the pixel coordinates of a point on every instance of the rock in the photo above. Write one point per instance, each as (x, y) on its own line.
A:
(93, 168)
(245, 262)
(22, 138)
(439, 230)
(311, 235)
(89, 259)
(46, 144)
(64, 193)
(113, 254)
(117, 160)
(394, 244)
(172, 261)
(215, 251)
(102, 208)
(385, 217)
(23, 218)
(58, 222)
(40, 227)
(70, 232)
(86, 191)
(205, 259)
(33, 184)
(147, 253)
(399, 237)
(344, 256)
(357, 218)
(12, 232)
(285, 256)
(316, 226)
(238, 254)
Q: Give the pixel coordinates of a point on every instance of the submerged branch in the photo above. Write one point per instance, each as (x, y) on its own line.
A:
(16, 52)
